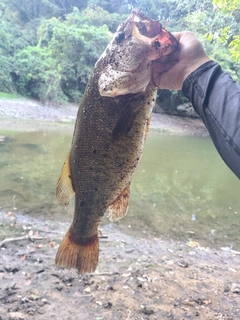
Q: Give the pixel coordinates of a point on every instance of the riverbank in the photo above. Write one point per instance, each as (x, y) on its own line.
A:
(30, 111)
(138, 277)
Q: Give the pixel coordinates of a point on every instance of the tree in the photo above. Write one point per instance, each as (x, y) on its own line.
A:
(216, 30)
(230, 34)
(36, 74)
(27, 10)
(59, 66)
(48, 48)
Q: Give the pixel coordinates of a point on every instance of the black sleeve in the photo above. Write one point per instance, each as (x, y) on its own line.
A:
(216, 98)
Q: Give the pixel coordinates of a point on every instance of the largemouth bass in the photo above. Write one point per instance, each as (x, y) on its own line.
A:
(109, 136)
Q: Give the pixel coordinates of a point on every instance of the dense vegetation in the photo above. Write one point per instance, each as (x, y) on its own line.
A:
(48, 47)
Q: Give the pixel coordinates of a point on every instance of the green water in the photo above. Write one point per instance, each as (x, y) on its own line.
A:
(182, 189)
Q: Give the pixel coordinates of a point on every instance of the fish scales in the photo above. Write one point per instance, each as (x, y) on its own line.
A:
(109, 136)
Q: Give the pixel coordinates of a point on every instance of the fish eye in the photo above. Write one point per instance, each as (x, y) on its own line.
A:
(157, 44)
(120, 37)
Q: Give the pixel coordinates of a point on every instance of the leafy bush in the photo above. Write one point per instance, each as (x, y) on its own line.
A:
(48, 48)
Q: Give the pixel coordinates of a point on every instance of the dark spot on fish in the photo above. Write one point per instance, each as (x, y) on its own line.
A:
(90, 168)
(82, 203)
(124, 124)
(157, 44)
(94, 151)
(120, 37)
(95, 189)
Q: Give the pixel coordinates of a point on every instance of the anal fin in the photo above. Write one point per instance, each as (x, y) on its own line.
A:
(64, 188)
(118, 209)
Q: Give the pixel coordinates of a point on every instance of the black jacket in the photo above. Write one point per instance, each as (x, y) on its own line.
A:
(216, 98)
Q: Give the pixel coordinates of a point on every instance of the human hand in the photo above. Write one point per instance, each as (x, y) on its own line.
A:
(172, 74)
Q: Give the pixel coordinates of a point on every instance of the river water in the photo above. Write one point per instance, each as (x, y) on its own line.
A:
(182, 190)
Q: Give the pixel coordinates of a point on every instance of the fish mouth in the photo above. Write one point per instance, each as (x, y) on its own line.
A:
(138, 41)
(160, 42)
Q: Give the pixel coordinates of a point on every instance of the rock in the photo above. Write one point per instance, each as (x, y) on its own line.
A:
(16, 316)
(147, 311)
(235, 288)
(183, 264)
(186, 110)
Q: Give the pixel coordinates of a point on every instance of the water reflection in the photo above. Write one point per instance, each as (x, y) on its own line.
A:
(181, 190)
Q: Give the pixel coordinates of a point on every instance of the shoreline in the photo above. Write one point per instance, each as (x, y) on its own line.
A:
(30, 115)
(137, 278)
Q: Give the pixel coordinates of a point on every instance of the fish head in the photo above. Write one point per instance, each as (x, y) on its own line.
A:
(125, 66)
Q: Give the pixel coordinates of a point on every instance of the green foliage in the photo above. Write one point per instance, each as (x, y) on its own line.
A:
(4, 95)
(48, 48)
(234, 48)
(97, 16)
(216, 30)
(25, 11)
(227, 6)
(57, 66)
(75, 47)
(35, 74)
(229, 34)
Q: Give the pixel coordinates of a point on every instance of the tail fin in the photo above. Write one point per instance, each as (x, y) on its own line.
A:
(80, 254)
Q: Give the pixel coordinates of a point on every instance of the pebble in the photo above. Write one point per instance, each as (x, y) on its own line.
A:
(235, 288)
(16, 315)
(183, 264)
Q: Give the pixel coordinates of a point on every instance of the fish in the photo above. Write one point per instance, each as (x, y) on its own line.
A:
(110, 131)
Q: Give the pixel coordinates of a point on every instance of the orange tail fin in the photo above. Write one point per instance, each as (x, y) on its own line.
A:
(79, 254)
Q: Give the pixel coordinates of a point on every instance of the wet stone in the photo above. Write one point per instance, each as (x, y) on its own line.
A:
(148, 311)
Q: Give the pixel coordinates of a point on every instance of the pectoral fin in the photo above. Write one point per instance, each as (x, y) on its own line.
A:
(147, 127)
(64, 188)
(119, 207)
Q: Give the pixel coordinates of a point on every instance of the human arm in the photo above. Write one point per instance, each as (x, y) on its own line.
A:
(216, 98)
(212, 92)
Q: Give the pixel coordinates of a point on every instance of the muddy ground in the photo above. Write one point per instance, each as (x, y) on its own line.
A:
(137, 278)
